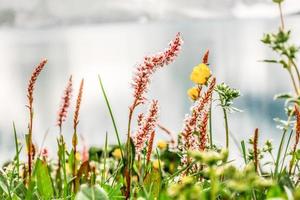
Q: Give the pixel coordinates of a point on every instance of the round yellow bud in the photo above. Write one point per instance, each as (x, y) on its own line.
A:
(162, 145)
(117, 153)
(200, 74)
(194, 93)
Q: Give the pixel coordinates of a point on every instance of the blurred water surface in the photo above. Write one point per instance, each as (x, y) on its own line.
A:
(113, 50)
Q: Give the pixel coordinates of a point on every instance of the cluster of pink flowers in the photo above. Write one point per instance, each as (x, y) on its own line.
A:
(145, 69)
(146, 127)
(62, 113)
(33, 79)
(197, 121)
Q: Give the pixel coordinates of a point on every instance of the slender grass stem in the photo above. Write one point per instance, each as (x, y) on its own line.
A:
(281, 16)
(286, 149)
(293, 81)
(104, 162)
(281, 143)
(226, 127)
(111, 115)
(296, 69)
(17, 149)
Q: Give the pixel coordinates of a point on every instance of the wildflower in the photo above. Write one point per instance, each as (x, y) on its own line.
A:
(30, 90)
(45, 153)
(150, 146)
(117, 154)
(78, 103)
(199, 109)
(145, 69)
(200, 74)
(162, 145)
(194, 93)
(62, 114)
(147, 126)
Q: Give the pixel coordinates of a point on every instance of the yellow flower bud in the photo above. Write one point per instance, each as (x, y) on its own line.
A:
(155, 164)
(194, 93)
(117, 153)
(200, 74)
(77, 156)
(162, 145)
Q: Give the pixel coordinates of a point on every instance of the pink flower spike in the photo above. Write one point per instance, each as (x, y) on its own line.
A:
(62, 113)
(150, 64)
(146, 127)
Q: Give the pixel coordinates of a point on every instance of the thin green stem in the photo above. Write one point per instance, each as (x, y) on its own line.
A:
(104, 162)
(63, 157)
(286, 149)
(293, 81)
(296, 69)
(17, 149)
(281, 16)
(111, 116)
(226, 127)
(282, 142)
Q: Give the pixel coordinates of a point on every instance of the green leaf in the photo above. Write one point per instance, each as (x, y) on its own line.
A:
(111, 115)
(91, 193)
(71, 160)
(283, 96)
(152, 182)
(270, 61)
(43, 180)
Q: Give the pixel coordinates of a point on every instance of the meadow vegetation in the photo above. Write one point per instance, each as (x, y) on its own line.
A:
(188, 166)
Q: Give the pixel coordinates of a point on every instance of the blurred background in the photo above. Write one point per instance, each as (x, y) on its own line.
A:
(109, 37)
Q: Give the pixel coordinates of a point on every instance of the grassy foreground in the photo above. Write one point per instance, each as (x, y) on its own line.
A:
(186, 167)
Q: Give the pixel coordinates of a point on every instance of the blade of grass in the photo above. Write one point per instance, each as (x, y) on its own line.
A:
(17, 150)
(111, 115)
(105, 156)
(286, 149)
(244, 151)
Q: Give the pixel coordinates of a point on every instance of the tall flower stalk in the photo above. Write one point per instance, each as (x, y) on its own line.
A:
(62, 115)
(255, 149)
(141, 80)
(226, 97)
(30, 90)
(75, 124)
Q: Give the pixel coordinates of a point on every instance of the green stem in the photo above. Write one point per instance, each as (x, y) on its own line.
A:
(282, 142)
(286, 149)
(111, 116)
(293, 80)
(226, 128)
(281, 16)
(63, 157)
(296, 69)
(213, 185)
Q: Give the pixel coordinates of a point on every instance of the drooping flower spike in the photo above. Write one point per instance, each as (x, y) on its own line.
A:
(65, 104)
(150, 64)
